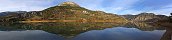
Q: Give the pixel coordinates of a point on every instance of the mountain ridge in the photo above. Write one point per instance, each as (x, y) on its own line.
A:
(69, 11)
(145, 17)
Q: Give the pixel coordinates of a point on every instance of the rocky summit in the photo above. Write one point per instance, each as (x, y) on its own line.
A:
(69, 3)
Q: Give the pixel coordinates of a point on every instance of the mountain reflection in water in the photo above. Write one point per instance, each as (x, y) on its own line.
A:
(83, 31)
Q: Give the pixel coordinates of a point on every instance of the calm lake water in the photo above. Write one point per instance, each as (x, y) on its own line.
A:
(81, 31)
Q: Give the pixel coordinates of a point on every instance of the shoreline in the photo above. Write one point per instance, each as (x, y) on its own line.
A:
(35, 21)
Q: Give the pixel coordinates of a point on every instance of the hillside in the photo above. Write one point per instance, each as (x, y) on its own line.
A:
(145, 17)
(150, 17)
(68, 11)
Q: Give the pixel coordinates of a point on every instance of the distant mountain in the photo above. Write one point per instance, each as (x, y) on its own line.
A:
(146, 17)
(66, 11)
(9, 13)
(2, 14)
(150, 17)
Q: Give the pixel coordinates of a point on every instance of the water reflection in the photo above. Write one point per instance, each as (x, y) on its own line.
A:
(120, 33)
(28, 35)
(82, 31)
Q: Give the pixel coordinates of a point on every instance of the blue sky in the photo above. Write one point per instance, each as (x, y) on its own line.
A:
(121, 7)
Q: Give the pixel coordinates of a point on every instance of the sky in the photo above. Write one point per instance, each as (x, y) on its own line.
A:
(121, 7)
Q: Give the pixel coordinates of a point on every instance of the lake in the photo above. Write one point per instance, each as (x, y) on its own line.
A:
(83, 31)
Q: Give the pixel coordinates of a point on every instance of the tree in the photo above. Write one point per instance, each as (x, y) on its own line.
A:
(171, 17)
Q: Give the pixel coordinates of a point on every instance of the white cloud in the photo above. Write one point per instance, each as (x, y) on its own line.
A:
(90, 4)
(120, 5)
(24, 5)
(169, 5)
(163, 11)
(134, 12)
(113, 6)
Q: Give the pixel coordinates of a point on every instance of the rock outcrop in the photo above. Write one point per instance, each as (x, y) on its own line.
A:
(69, 4)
